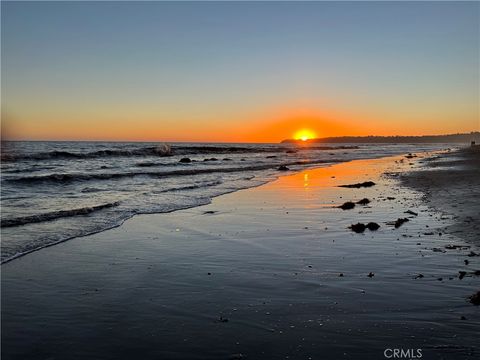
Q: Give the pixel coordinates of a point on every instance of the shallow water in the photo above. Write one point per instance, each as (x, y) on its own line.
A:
(53, 191)
(267, 260)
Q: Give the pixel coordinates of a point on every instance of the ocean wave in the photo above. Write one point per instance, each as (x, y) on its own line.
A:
(209, 149)
(161, 151)
(191, 187)
(91, 190)
(23, 220)
(67, 178)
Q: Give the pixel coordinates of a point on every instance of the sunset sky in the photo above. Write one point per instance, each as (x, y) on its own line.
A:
(231, 72)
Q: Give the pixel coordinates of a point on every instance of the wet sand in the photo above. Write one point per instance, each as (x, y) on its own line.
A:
(451, 184)
(257, 274)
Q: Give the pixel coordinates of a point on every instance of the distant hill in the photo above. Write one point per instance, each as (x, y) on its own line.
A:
(451, 138)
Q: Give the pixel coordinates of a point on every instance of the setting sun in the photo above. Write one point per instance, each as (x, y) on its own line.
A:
(304, 135)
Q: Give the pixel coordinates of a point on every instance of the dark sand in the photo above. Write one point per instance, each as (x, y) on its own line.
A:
(254, 275)
(451, 184)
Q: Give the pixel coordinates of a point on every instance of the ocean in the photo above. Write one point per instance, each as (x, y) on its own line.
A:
(55, 191)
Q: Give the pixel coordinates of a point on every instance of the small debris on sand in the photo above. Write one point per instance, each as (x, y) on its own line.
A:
(347, 206)
(475, 298)
(236, 356)
(227, 159)
(370, 275)
(364, 201)
(340, 275)
(358, 227)
(457, 247)
(463, 318)
(411, 212)
(472, 254)
(359, 185)
(222, 319)
(283, 168)
(419, 276)
(466, 262)
(185, 160)
(461, 274)
(390, 198)
(373, 226)
(209, 212)
(399, 222)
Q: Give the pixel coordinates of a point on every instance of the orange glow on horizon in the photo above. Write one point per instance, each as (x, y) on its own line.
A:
(269, 124)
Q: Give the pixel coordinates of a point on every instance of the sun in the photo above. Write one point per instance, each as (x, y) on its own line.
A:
(304, 135)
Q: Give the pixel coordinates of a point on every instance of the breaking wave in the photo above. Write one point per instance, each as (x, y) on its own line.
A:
(23, 220)
(162, 150)
(66, 178)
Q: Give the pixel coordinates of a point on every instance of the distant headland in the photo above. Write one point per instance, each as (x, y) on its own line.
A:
(451, 138)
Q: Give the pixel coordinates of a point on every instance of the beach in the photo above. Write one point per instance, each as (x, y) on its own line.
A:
(230, 180)
(269, 272)
(451, 184)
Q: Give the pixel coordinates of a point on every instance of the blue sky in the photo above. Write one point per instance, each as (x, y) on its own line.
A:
(191, 65)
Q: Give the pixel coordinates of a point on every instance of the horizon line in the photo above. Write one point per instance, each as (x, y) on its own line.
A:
(239, 142)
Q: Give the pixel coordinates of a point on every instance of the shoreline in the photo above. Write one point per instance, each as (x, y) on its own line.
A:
(273, 270)
(259, 182)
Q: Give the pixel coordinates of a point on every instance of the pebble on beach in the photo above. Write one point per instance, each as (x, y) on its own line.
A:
(364, 201)
(399, 222)
(475, 298)
(359, 185)
(373, 226)
(347, 205)
(358, 227)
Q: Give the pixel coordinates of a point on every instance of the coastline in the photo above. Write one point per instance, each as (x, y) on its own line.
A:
(102, 207)
(273, 271)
